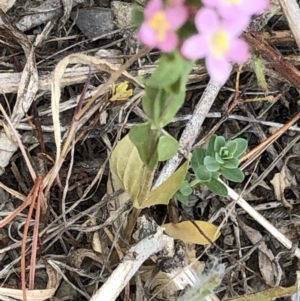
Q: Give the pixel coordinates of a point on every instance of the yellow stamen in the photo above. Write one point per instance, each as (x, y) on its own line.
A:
(160, 25)
(220, 43)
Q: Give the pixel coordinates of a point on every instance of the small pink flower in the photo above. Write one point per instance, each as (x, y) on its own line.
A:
(232, 8)
(160, 24)
(218, 42)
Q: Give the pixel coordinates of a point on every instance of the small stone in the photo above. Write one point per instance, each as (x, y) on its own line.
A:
(123, 13)
(94, 22)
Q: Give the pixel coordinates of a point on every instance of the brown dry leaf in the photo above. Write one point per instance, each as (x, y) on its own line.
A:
(78, 256)
(265, 255)
(36, 295)
(55, 100)
(187, 232)
(280, 181)
(163, 193)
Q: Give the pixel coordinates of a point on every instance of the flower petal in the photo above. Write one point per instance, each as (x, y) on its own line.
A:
(206, 21)
(254, 7)
(218, 69)
(237, 24)
(153, 7)
(147, 35)
(195, 47)
(210, 3)
(170, 43)
(239, 51)
(176, 16)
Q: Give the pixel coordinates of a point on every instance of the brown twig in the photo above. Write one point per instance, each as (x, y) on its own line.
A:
(283, 67)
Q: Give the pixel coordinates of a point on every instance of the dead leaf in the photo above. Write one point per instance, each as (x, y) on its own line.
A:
(265, 255)
(280, 181)
(121, 92)
(36, 295)
(187, 232)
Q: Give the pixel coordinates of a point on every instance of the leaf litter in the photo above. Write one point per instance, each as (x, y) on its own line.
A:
(44, 72)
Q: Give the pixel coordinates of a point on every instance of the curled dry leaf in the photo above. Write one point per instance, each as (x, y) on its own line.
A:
(39, 294)
(188, 232)
(281, 181)
(265, 255)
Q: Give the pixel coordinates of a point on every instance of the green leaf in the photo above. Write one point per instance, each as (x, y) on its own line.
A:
(197, 158)
(211, 164)
(166, 148)
(203, 174)
(185, 188)
(137, 15)
(151, 98)
(216, 187)
(242, 145)
(169, 106)
(210, 147)
(231, 146)
(168, 71)
(219, 159)
(163, 193)
(129, 170)
(219, 142)
(182, 198)
(234, 175)
(140, 135)
(231, 163)
(161, 106)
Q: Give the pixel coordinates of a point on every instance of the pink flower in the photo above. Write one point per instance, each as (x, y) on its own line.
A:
(218, 42)
(160, 24)
(232, 8)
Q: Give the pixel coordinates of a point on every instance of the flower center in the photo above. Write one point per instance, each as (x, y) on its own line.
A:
(234, 2)
(160, 25)
(220, 43)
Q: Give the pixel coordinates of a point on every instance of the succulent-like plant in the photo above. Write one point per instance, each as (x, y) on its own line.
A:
(220, 158)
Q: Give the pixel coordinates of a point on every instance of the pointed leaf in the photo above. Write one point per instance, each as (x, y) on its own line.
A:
(140, 136)
(127, 167)
(197, 158)
(163, 193)
(203, 174)
(211, 146)
(187, 232)
(231, 163)
(169, 107)
(234, 175)
(211, 164)
(219, 142)
(217, 187)
(242, 145)
(166, 148)
(168, 70)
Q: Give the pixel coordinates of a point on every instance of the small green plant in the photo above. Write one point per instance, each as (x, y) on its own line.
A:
(219, 158)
